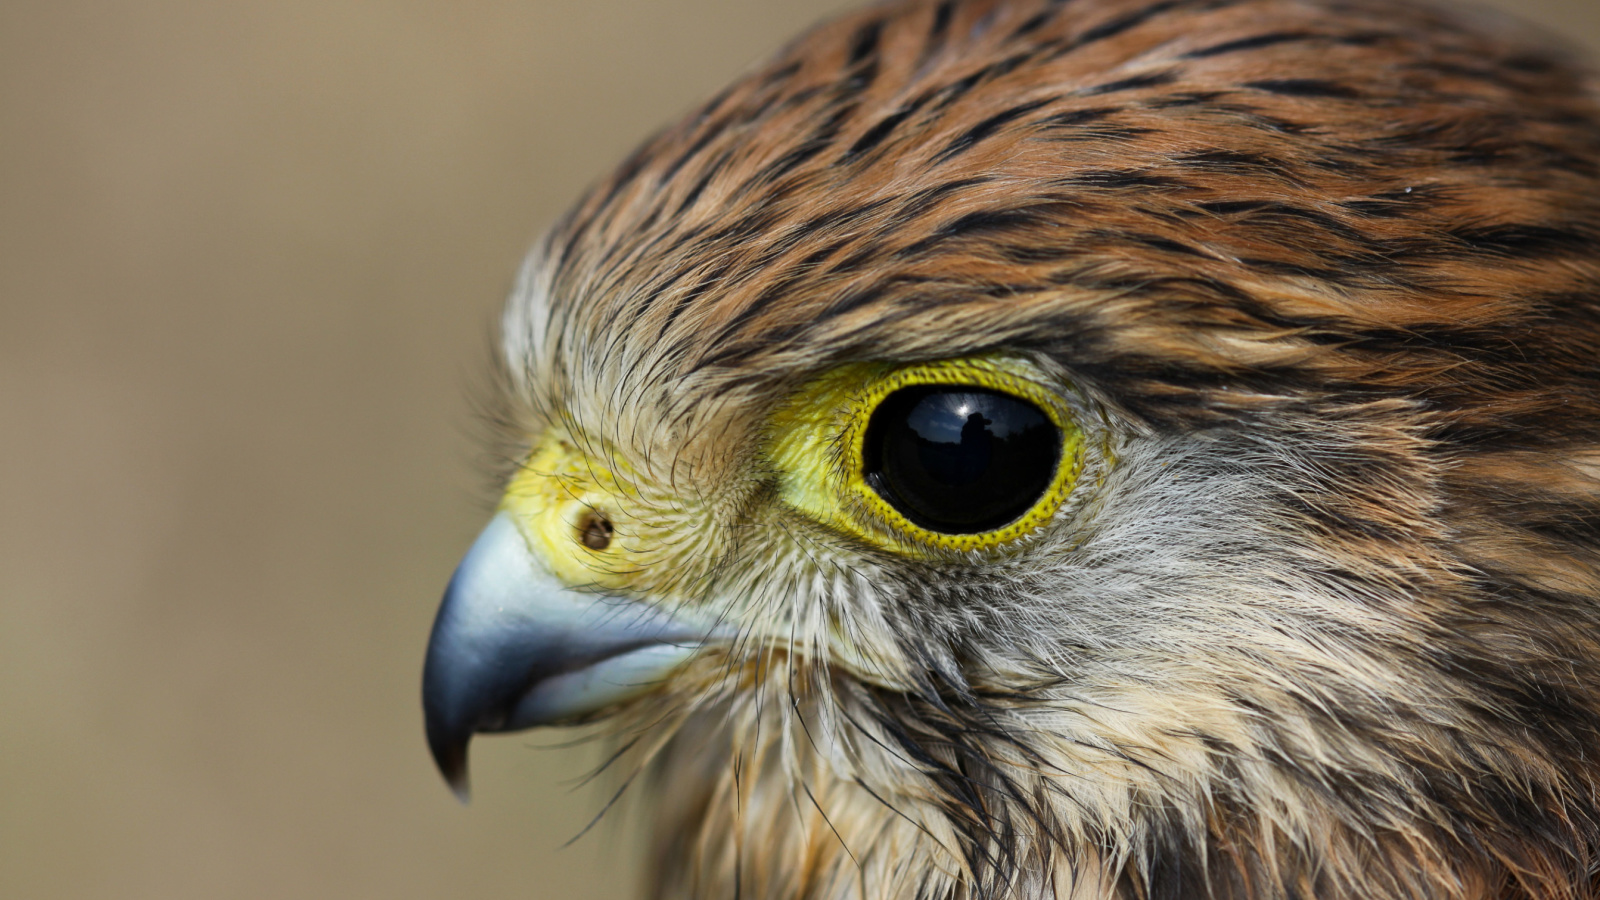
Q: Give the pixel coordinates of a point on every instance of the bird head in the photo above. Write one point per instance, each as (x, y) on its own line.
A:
(1106, 449)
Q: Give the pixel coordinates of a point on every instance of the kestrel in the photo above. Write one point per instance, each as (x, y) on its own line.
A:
(1074, 448)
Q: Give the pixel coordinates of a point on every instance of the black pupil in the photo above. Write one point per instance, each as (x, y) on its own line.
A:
(960, 460)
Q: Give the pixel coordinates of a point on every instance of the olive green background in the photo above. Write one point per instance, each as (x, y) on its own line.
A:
(250, 259)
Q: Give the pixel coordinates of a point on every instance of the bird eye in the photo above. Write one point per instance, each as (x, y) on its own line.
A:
(958, 459)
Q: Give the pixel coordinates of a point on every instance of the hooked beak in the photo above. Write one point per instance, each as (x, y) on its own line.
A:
(512, 648)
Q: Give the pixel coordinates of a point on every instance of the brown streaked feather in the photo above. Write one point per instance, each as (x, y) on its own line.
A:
(1400, 200)
(1336, 262)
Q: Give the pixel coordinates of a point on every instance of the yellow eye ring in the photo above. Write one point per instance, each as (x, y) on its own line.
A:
(820, 437)
(965, 373)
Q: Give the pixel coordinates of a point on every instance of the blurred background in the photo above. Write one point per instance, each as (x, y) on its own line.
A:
(251, 254)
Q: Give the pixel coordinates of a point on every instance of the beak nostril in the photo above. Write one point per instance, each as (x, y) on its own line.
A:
(595, 531)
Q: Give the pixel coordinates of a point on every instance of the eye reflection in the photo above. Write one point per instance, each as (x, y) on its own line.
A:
(958, 459)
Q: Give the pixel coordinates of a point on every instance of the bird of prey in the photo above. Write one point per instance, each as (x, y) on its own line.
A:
(1139, 449)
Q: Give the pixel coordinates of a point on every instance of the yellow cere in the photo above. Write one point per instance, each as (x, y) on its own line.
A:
(555, 495)
(816, 439)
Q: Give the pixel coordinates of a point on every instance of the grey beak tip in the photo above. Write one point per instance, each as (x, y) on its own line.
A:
(450, 756)
(451, 759)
